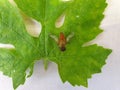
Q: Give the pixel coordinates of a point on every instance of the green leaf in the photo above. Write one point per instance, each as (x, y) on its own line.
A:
(78, 67)
(77, 63)
(14, 63)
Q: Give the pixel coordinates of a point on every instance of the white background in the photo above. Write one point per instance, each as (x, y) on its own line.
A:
(109, 79)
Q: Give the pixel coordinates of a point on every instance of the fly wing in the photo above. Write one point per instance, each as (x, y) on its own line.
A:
(54, 37)
(69, 36)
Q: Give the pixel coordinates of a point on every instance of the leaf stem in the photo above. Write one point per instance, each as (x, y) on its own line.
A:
(45, 64)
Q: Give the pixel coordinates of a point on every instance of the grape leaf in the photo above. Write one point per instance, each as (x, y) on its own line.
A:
(77, 63)
(15, 62)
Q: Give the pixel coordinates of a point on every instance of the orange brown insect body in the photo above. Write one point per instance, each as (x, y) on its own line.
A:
(62, 42)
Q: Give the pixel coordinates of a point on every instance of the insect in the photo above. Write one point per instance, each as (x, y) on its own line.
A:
(62, 40)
